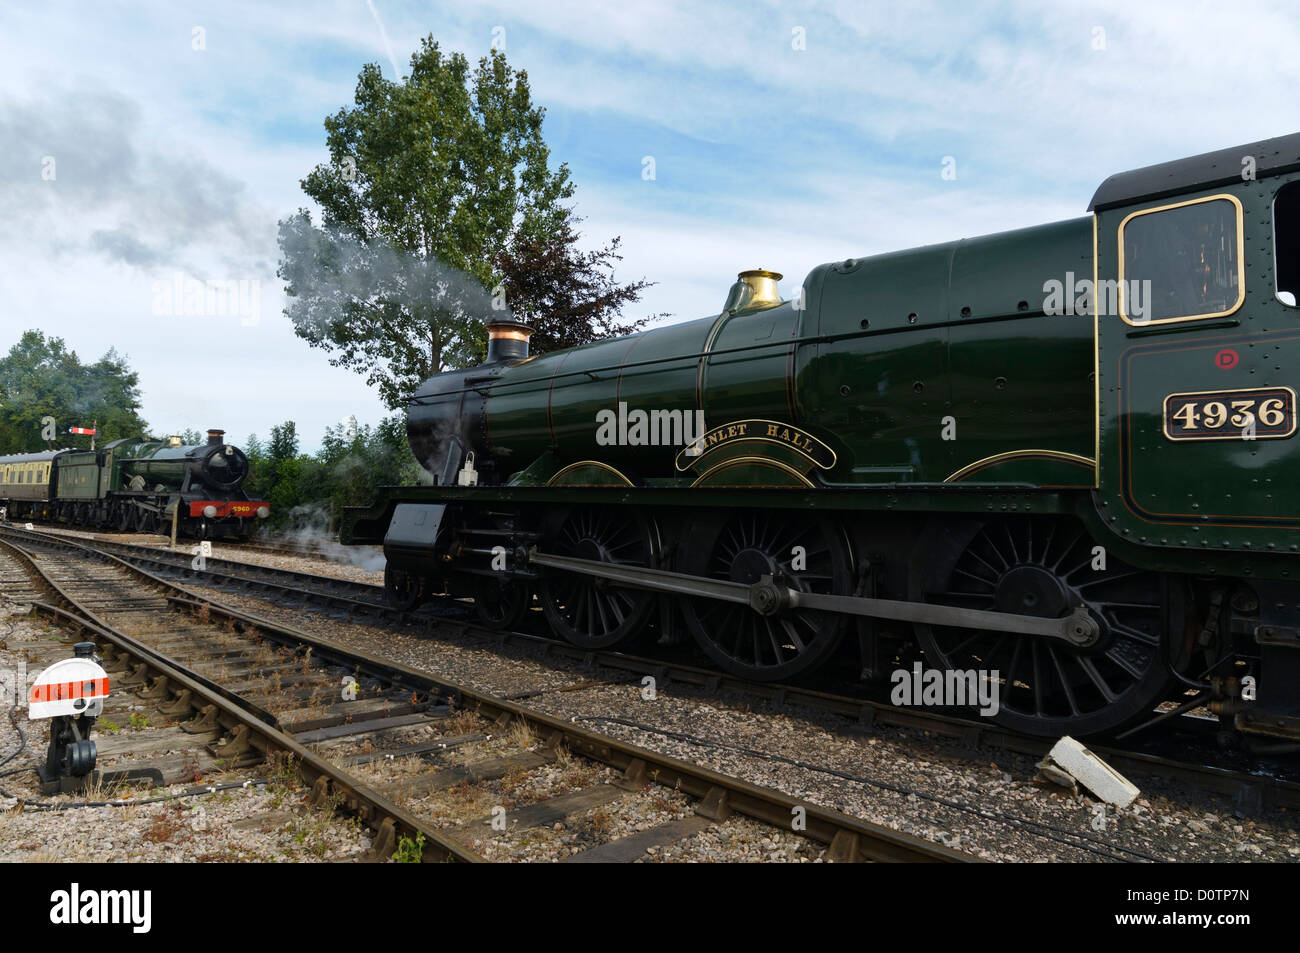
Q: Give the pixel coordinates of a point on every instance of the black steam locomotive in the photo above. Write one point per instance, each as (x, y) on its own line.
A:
(135, 485)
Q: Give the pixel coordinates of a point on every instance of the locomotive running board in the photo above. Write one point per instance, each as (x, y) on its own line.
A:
(768, 597)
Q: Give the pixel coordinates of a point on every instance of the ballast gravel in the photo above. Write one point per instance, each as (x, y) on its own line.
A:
(908, 780)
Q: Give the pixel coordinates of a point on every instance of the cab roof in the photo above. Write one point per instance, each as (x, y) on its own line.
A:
(1208, 170)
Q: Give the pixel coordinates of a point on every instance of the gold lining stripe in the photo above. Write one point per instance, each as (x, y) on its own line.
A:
(796, 330)
(590, 463)
(1096, 357)
(709, 340)
(1014, 454)
(764, 461)
(1241, 261)
(618, 386)
(550, 398)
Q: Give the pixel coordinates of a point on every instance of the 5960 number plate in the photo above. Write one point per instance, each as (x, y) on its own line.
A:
(1257, 413)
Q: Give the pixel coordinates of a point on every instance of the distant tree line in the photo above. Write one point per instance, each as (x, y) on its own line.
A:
(308, 491)
(42, 377)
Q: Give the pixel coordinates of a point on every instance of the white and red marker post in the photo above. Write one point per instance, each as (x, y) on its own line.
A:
(71, 694)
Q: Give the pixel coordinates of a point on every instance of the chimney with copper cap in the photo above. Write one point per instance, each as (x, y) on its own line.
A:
(507, 342)
(216, 437)
(754, 290)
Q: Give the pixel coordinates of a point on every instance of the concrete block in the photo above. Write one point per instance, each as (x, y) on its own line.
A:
(1093, 773)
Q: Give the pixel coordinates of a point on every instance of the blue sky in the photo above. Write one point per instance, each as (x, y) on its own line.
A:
(172, 159)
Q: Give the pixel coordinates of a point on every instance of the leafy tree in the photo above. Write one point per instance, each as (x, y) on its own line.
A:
(284, 442)
(288, 491)
(430, 182)
(42, 377)
(567, 296)
(308, 492)
(256, 484)
(284, 468)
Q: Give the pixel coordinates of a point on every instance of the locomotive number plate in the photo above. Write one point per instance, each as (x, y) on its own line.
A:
(1257, 413)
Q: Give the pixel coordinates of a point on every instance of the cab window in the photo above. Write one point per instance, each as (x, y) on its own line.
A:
(1286, 243)
(1190, 253)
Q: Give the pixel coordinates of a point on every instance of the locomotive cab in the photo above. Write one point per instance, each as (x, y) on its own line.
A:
(1198, 336)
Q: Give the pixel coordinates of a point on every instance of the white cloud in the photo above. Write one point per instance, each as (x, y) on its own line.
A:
(175, 159)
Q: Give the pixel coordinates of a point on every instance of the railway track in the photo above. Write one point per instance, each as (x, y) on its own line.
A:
(406, 752)
(1183, 750)
(305, 550)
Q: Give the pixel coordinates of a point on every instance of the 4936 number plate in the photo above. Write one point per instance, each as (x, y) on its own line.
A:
(1257, 413)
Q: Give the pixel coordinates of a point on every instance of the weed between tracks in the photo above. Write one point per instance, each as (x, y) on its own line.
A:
(96, 790)
(312, 830)
(409, 851)
(168, 827)
(513, 789)
(462, 722)
(282, 779)
(521, 735)
(314, 700)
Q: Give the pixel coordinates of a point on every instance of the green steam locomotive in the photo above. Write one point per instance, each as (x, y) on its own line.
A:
(1061, 457)
(135, 485)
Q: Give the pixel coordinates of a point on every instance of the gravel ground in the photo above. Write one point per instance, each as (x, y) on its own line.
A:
(364, 564)
(904, 779)
(267, 823)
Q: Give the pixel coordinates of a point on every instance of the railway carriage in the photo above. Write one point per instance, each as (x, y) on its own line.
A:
(1064, 457)
(133, 485)
(26, 478)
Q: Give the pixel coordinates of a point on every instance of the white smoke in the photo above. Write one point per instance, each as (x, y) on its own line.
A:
(309, 530)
